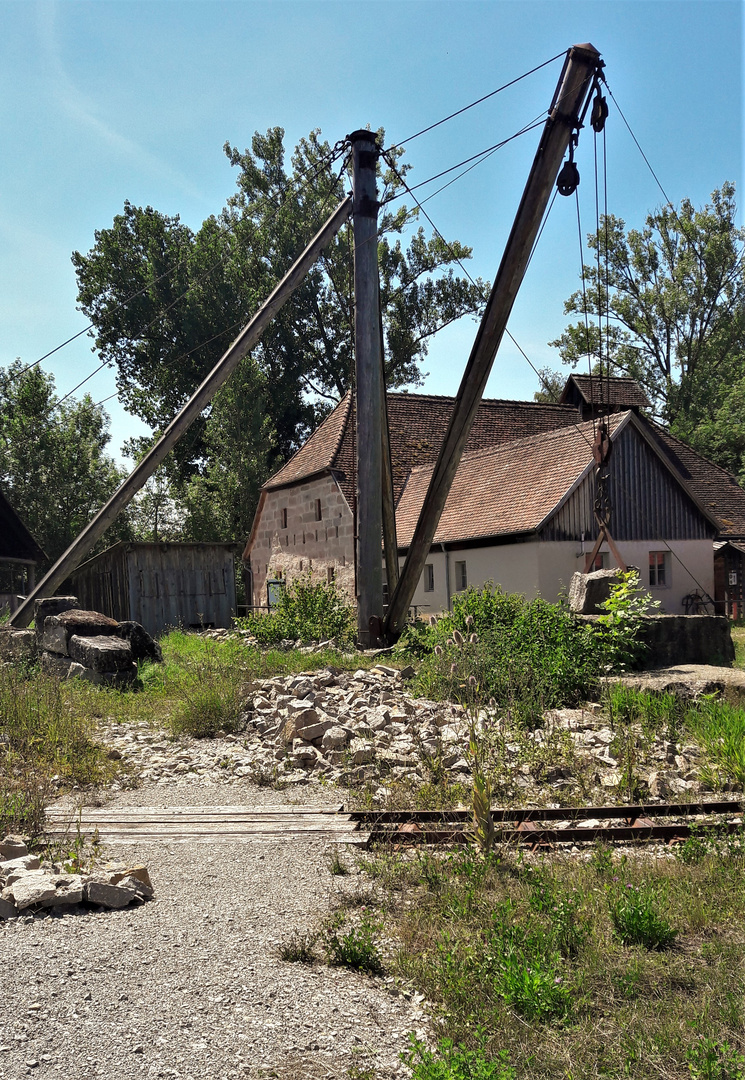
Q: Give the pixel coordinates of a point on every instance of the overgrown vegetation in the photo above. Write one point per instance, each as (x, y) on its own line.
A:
(525, 655)
(308, 610)
(558, 967)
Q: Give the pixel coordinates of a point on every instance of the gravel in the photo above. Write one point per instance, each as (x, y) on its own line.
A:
(190, 984)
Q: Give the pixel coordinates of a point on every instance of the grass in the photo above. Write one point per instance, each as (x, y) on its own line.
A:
(556, 968)
(738, 638)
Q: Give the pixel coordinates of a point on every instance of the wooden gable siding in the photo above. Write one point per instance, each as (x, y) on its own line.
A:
(647, 502)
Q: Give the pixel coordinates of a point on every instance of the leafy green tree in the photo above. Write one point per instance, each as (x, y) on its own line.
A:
(196, 288)
(675, 295)
(53, 465)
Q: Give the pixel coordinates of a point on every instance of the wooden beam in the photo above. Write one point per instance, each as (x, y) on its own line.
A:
(368, 374)
(572, 91)
(390, 540)
(243, 344)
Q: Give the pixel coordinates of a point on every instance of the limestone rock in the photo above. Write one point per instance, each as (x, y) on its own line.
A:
(100, 653)
(69, 890)
(12, 847)
(21, 862)
(334, 738)
(62, 667)
(8, 910)
(588, 591)
(34, 887)
(108, 896)
(137, 873)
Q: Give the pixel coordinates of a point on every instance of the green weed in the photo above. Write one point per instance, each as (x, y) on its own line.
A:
(354, 946)
(636, 919)
(451, 1062)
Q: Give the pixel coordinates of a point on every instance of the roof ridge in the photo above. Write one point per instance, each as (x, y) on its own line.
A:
(404, 394)
(346, 401)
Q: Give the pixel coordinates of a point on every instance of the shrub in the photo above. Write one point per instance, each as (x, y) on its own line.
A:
(636, 920)
(357, 948)
(528, 656)
(308, 610)
(622, 624)
(299, 948)
(451, 1062)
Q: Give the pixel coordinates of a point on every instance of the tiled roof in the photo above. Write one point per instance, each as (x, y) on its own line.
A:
(509, 489)
(417, 424)
(715, 490)
(621, 390)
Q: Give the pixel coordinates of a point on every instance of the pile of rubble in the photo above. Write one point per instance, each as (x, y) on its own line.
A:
(71, 643)
(364, 728)
(26, 886)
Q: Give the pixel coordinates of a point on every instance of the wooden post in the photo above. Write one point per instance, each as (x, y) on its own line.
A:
(368, 368)
(390, 539)
(572, 91)
(245, 341)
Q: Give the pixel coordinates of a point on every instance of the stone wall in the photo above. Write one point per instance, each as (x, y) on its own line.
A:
(684, 639)
(291, 540)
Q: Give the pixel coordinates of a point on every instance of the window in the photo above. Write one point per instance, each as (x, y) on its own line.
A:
(461, 578)
(319, 515)
(601, 561)
(284, 517)
(659, 570)
(329, 575)
(429, 578)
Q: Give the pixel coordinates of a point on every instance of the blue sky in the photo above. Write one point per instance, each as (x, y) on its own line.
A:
(102, 101)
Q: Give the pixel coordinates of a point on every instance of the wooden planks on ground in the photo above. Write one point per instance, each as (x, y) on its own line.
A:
(207, 824)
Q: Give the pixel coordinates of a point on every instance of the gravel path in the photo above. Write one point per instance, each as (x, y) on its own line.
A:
(190, 985)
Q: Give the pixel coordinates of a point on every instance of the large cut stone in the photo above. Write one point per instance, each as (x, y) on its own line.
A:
(48, 606)
(142, 645)
(70, 890)
(588, 591)
(58, 629)
(101, 653)
(60, 666)
(18, 645)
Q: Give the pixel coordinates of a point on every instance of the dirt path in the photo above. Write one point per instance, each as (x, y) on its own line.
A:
(190, 985)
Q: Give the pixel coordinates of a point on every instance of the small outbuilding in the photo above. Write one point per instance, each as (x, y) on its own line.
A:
(160, 585)
(19, 557)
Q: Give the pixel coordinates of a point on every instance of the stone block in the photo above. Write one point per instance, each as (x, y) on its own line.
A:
(12, 847)
(108, 896)
(18, 645)
(334, 738)
(142, 645)
(125, 677)
(131, 874)
(70, 890)
(54, 638)
(101, 653)
(62, 667)
(51, 605)
(588, 591)
(315, 731)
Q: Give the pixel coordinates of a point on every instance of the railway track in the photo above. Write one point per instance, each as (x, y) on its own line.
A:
(637, 824)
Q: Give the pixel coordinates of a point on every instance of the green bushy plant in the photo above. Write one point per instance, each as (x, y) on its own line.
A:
(524, 655)
(456, 1062)
(709, 1060)
(636, 919)
(308, 610)
(719, 727)
(622, 624)
(354, 946)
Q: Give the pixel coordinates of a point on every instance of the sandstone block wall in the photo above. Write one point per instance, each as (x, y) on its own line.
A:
(291, 540)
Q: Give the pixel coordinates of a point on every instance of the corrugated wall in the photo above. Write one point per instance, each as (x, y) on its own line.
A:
(647, 503)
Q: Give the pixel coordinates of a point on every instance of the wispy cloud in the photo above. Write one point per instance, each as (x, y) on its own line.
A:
(84, 112)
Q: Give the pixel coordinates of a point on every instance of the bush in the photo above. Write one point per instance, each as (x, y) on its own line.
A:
(451, 1062)
(528, 656)
(636, 921)
(357, 948)
(308, 610)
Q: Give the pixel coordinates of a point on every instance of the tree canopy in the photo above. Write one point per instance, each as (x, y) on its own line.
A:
(53, 464)
(196, 288)
(674, 293)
